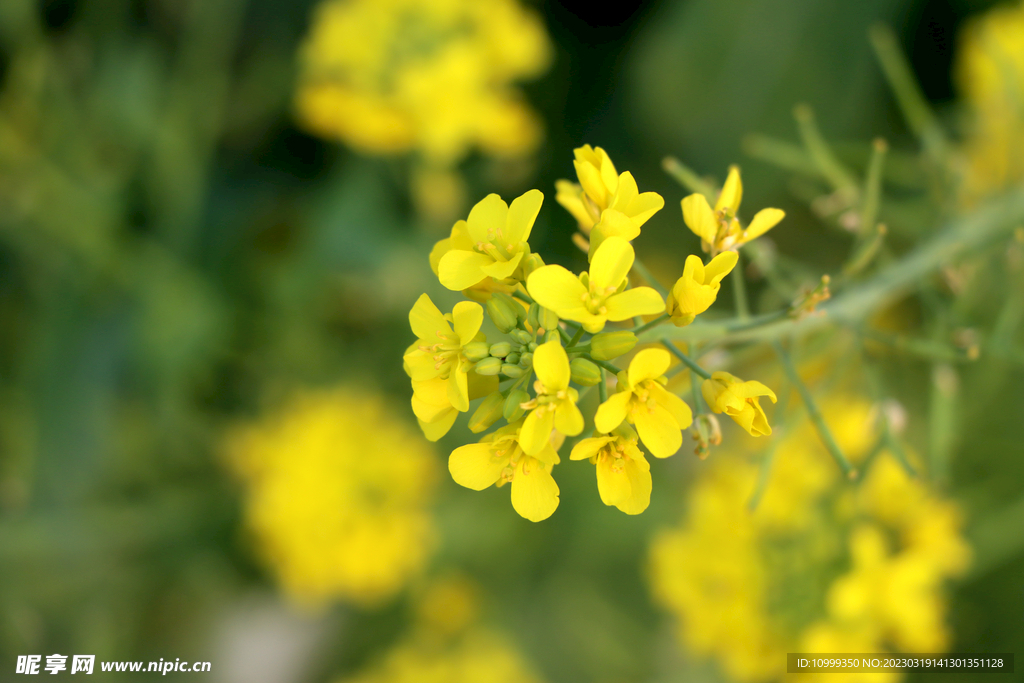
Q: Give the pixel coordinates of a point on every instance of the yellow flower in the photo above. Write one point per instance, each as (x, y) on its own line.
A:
(729, 394)
(432, 404)
(697, 289)
(438, 353)
(642, 400)
(499, 458)
(623, 473)
(337, 492)
(598, 296)
(395, 76)
(604, 203)
(494, 243)
(720, 230)
(555, 404)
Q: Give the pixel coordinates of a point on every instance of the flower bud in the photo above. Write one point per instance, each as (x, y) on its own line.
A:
(584, 373)
(547, 319)
(502, 312)
(475, 351)
(522, 336)
(533, 315)
(488, 366)
(512, 358)
(552, 335)
(501, 349)
(512, 409)
(526, 360)
(487, 413)
(531, 263)
(609, 345)
(513, 371)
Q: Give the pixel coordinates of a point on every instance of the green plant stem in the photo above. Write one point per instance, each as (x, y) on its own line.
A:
(642, 271)
(610, 367)
(739, 290)
(872, 189)
(768, 459)
(689, 362)
(833, 170)
(602, 387)
(646, 326)
(812, 410)
(582, 348)
(686, 177)
(576, 337)
(928, 349)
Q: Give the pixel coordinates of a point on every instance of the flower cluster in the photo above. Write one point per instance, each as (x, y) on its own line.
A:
(330, 521)
(819, 566)
(434, 77)
(555, 334)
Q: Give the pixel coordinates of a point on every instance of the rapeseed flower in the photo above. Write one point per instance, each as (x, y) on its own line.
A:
(623, 473)
(729, 394)
(697, 289)
(642, 400)
(555, 404)
(604, 203)
(492, 243)
(337, 495)
(498, 459)
(593, 298)
(720, 230)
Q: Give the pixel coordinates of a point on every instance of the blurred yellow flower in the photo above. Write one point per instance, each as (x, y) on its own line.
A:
(697, 289)
(729, 394)
(623, 473)
(598, 296)
(604, 203)
(819, 566)
(989, 71)
(642, 400)
(337, 495)
(720, 230)
(430, 76)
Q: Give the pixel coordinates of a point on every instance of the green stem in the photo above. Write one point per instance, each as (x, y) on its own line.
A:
(928, 349)
(602, 388)
(582, 348)
(768, 458)
(833, 170)
(686, 177)
(689, 362)
(873, 188)
(576, 337)
(648, 278)
(610, 367)
(646, 326)
(812, 410)
(739, 290)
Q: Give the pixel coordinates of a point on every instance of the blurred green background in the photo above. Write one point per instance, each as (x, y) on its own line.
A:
(177, 255)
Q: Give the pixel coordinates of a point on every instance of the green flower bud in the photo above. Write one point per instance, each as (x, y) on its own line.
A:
(512, 358)
(531, 263)
(522, 336)
(501, 309)
(552, 335)
(584, 373)
(512, 409)
(532, 346)
(488, 366)
(501, 349)
(475, 351)
(487, 413)
(526, 360)
(513, 371)
(547, 319)
(609, 345)
(533, 315)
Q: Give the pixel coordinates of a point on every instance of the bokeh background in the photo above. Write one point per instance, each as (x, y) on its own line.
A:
(206, 445)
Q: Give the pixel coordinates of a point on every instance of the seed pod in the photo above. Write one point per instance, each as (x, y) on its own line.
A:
(512, 409)
(584, 373)
(487, 413)
(501, 349)
(488, 366)
(475, 351)
(609, 345)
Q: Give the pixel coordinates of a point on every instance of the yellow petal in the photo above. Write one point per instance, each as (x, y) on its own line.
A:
(673, 404)
(460, 270)
(570, 196)
(426, 319)
(474, 466)
(556, 288)
(588, 448)
(467, 317)
(699, 218)
(644, 206)
(611, 264)
(536, 431)
(648, 364)
(633, 302)
(534, 491)
(420, 365)
(613, 223)
(625, 192)
(551, 364)
(628, 489)
(764, 220)
(612, 412)
(658, 430)
(500, 270)
(440, 249)
(752, 389)
(439, 427)
(719, 267)
(732, 192)
(458, 390)
(489, 216)
(430, 399)
(521, 215)
(568, 418)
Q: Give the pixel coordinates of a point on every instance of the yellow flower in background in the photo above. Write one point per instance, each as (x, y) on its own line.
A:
(604, 203)
(623, 473)
(434, 77)
(989, 71)
(555, 404)
(337, 496)
(720, 230)
(498, 459)
(819, 566)
(492, 243)
(642, 400)
(598, 296)
(697, 289)
(729, 394)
